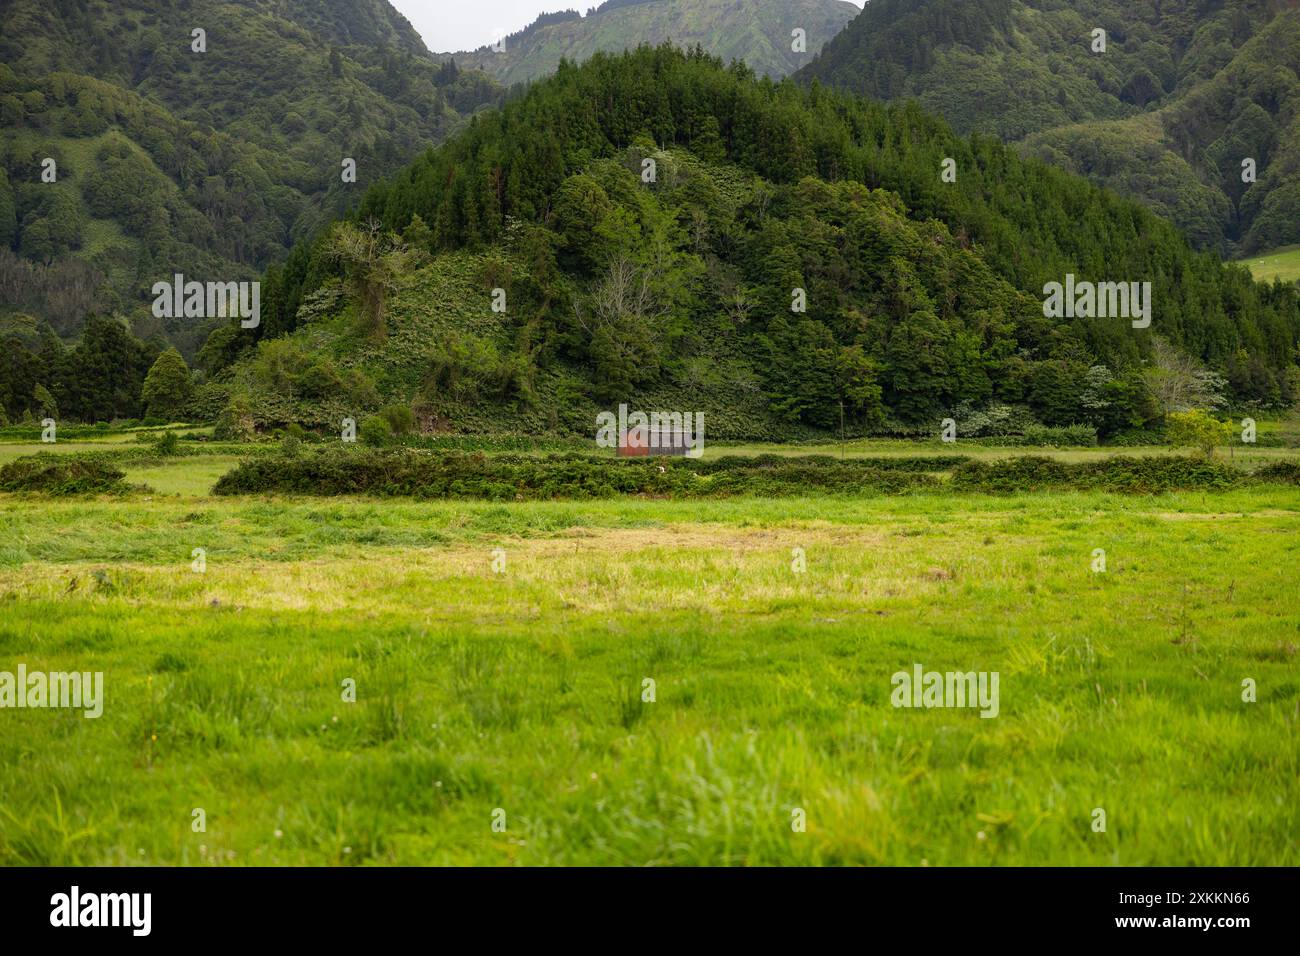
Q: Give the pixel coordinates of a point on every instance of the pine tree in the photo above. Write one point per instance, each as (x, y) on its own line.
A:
(168, 385)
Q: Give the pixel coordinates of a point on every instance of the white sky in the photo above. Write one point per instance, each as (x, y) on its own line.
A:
(451, 25)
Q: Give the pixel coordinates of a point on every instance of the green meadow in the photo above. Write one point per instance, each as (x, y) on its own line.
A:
(500, 656)
(1281, 264)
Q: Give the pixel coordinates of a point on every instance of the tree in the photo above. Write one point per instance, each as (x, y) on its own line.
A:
(1179, 383)
(236, 423)
(1196, 429)
(103, 376)
(45, 404)
(859, 386)
(222, 349)
(372, 261)
(581, 207)
(400, 418)
(418, 235)
(168, 386)
(1112, 403)
(804, 375)
(8, 212)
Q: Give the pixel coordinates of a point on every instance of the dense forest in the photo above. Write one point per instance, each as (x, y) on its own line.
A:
(669, 228)
(129, 154)
(660, 227)
(758, 32)
(1167, 110)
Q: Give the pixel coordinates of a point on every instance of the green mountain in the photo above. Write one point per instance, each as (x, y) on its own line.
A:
(760, 32)
(1184, 92)
(772, 256)
(210, 162)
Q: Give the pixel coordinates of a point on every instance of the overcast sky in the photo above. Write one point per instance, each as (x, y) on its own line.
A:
(451, 25)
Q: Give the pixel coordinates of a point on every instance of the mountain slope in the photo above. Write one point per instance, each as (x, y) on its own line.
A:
(678, 235)
(1184, 91)
(756, 31)
(206, 163)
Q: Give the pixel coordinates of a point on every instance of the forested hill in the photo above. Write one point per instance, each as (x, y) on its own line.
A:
(760, 32)
(210, 162)
(1182, 93)
(651, 218)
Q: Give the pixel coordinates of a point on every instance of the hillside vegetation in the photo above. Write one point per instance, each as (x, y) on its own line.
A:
(1183, 93)
(212, 163)
(923, 297)
(759, 32)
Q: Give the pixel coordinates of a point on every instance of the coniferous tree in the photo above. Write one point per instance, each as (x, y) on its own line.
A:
(168, 386)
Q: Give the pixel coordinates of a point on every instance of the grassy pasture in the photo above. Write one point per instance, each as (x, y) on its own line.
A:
(522, 690)
(1282, 263)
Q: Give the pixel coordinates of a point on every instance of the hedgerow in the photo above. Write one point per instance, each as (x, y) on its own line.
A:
(61, 475)
(406, 472)
(423, 474)
(1140, 475)
(925, 463)
(1280, 473)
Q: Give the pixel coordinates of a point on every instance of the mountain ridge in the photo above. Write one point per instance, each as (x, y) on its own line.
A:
(1027, 70)
(921, 297)
(213, 162)
(757, 31)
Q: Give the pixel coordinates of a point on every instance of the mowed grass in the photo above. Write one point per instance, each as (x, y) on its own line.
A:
(521, 691)
(1282, 263)
(9, 451)
(181, 476)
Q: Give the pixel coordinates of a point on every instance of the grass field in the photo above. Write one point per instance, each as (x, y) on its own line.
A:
(1282, 263)
(522, 691)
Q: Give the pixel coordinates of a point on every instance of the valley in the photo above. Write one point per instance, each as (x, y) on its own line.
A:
(966, 334)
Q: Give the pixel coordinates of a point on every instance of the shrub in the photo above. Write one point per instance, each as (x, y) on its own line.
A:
(1280, 472)
(1153, 474)
(60, 475)
(375, 432)
(1146, 475)
(320, 380)
(477, 476)
(993, 420)
(167, 444)
(920, 463)
(1197, 429)
(400, 418)
(1013, 474)
(339, 470)
(235, 423)
(469, 368)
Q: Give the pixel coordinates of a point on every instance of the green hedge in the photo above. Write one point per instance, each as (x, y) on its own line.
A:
(1143, 475)
(421, 474)
(60, 475)
(399, 471)
(920, 463)
(1280, 473)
